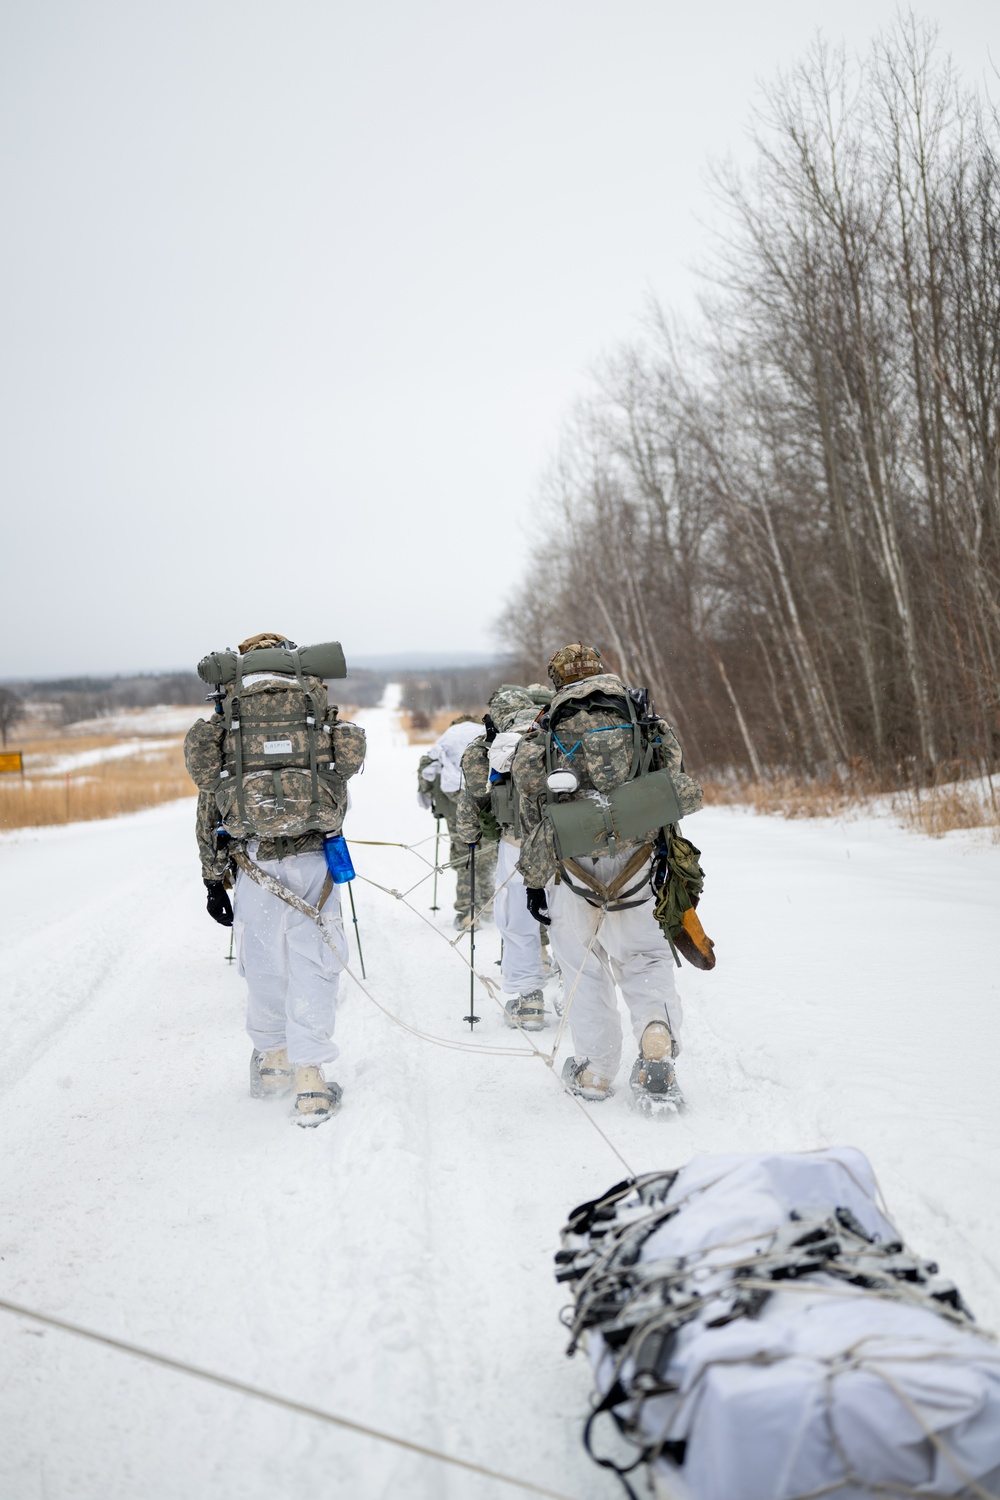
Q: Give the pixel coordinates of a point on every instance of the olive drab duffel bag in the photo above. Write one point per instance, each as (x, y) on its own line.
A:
(281, 759)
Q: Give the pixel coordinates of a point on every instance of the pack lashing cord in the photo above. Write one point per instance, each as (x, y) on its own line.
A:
(568, 1005)
(260, 1393)
(269, 883)
(402, 896)
(548, 1058)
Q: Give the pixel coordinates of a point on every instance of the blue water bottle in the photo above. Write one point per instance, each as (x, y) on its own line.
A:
(338, 858)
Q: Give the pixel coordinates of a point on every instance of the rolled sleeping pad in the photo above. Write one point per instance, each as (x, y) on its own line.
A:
(326, 660)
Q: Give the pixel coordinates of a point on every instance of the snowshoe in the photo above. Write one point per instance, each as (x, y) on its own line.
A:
(315, 1099)
(653, 1081)
(526, 1011)
(583, 1081)
(270, 1073)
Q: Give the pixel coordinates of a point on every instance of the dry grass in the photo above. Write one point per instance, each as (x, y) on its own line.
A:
(101, 791)
(934, 811)
(39, 753)
(942, 809)
(105, 790)
(785, 796)
(424, 729)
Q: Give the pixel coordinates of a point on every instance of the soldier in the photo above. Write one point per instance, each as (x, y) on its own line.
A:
(292, 976)
(486, 818)
(600, 906)
(439, 781)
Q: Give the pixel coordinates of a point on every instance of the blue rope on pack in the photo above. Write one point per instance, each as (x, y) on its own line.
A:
(602, 729)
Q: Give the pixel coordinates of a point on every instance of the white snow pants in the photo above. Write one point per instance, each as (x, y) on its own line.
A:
(292, 976)
(630, 951)
(521, 964)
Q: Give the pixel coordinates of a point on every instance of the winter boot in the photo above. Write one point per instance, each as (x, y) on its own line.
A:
(583, 1081)
(526, 1011)
(652, 1081)
(270, 1073)
(315, 1099)
(463, 920)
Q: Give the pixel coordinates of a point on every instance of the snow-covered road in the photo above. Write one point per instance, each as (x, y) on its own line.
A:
(395, 1266)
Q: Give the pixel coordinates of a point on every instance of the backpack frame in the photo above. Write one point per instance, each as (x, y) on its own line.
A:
(595, 821)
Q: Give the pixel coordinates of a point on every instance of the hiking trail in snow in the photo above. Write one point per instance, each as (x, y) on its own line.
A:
(395, 1266)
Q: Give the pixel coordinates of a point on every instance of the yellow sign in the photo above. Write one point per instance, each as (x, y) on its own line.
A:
(10, 760)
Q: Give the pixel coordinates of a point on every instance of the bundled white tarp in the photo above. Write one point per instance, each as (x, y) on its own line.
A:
(446, 756)
(759, 1332)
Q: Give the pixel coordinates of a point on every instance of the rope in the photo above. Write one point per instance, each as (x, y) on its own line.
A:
(269, 883)
(568, 1004)
(255, 873)
(259, 1393)
(548, 1058)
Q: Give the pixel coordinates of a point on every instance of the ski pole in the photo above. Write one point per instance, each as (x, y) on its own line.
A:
(472, 1018)
(357, 930)
(437, 860)
(229, 956)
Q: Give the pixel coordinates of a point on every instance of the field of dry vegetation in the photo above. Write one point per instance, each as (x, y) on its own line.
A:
(74, 778)
(424, 728)
(141, 771)
(933, 810)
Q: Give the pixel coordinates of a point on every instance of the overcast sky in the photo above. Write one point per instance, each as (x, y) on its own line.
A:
(295, 295)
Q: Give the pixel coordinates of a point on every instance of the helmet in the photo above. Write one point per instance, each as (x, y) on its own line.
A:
(265, 639)
(570, 663)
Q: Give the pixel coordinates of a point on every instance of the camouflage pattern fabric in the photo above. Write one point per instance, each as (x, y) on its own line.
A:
(475, 794)
(571, 663)
(205, 756)
(538, 863)
(486, 873)
(280, 799)
(440, 803)
(508, 701)
(508, 707)
(461, 837)
(264, 639)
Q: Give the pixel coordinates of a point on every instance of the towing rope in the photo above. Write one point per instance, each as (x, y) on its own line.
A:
(259, 1393)
(269, 883)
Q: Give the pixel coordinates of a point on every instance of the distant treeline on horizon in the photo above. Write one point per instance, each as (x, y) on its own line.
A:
(92, 697)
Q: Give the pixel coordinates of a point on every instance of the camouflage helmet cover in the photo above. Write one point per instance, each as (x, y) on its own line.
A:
(265, 639)
(507, 701)
(572, 662)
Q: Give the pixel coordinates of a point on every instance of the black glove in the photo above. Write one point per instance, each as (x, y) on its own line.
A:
(219, 908)
(537, 905)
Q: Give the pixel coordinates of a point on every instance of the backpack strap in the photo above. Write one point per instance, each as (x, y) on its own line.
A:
(232, 714)
(614, 896)
(313, 712)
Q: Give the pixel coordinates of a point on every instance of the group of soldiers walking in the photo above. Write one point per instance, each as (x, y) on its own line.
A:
(604, 935)
(559, 808)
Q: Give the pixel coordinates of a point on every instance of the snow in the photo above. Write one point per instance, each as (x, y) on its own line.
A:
(160, 718)
(40, 766)
(395, 1265)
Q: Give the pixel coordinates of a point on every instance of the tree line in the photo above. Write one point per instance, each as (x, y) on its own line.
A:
(786, 521)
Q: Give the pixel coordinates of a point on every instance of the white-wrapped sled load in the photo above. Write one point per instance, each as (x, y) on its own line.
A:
(758, 1331)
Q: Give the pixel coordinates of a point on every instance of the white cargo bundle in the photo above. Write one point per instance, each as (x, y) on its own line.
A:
(758, 1331)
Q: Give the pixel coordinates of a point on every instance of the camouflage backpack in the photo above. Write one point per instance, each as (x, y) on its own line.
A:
(605, 737)
(285, 759)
